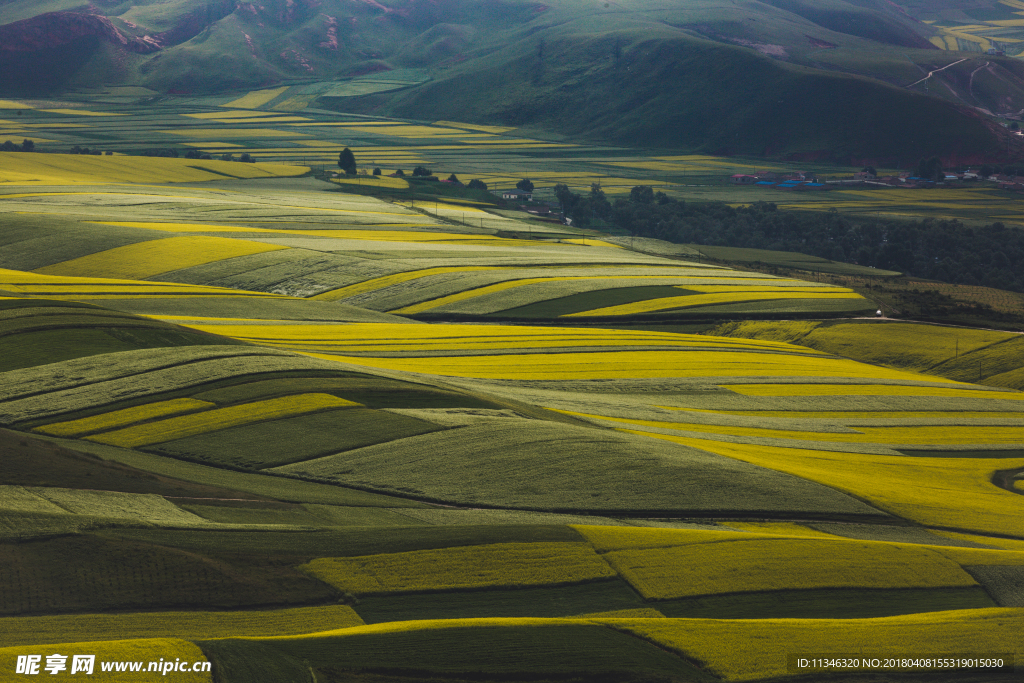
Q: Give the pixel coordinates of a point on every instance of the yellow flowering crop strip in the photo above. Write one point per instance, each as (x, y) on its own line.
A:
(854, 414)
(146, 650)
(387, 337)
(72, 169)
(870, 390)
(235, 133)
(642, 306)
(68, 287)
(256, 98)
(751, 649)
(374, 181)
(782, 563)
(898, 435)
(221, 418)
(81, 112)
(474, 126)
(781, 528)
(637, 364)
(692, 300)
(955, 493)
(127, 416)
(146, 259)
(496, 565)
(396, 279)
(218, 115)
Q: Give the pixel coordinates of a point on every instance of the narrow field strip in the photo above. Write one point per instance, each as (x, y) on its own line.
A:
(220, 418)
(740, 566)
(506, 565)
(918, 489)
(695, 300)
(396, 279)
(896, 435)
(147, 259)
(636, 365)
(870, 390)
(191, 625)
(387, 336)
(122, 418)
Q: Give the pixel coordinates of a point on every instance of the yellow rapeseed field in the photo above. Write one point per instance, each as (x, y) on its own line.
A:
(127, 416)
(396, 279)
(689, 301)
(506, 565)
(373, 181)
(610, 538)
(67, 287)
(782, 563)
(71, 169)
(218, 115)
(233, 133)
(256, 98)
(780, 528)
(146, 259)
(220, 418)
(749, 649)
(901, 435)
(387, 337)
(916, 488)
(872, 390)
(636, 364)
(474, 126)
(81, 112)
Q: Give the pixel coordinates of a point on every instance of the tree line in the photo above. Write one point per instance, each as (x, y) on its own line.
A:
(935, 249)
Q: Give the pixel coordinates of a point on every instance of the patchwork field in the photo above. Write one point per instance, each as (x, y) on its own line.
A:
(299, 433)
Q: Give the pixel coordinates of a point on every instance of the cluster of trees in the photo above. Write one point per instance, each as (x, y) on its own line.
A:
(25, 146)
(944, 250)
(85, 150)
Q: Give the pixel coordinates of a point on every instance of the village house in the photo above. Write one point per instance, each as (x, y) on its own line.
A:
(517, 195)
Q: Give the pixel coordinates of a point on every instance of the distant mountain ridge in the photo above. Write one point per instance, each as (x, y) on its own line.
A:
(841, 78)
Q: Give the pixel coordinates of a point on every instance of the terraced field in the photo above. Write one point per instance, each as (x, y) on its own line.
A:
(300, 433)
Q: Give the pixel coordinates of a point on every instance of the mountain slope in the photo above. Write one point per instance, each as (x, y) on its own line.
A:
(758, 77)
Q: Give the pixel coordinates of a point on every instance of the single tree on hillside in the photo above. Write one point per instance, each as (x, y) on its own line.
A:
(28, 146)
(347, 161)
(421, 171)
(477, 184)
(642, 194)
(376, 171)
(247, 158)
(453, 178)
(8, 146)
(525, 185)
